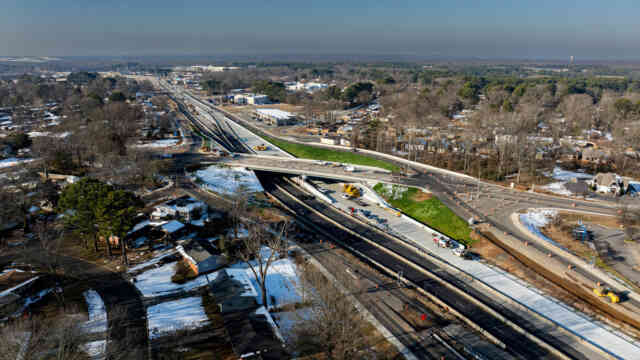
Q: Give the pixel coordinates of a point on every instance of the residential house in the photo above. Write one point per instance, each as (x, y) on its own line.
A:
(594, 155)
(184, 207)
(608, 183)
(200, 258)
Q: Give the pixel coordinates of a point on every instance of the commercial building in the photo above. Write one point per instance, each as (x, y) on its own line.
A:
(275, 117)
(251, 99)
(308, 87)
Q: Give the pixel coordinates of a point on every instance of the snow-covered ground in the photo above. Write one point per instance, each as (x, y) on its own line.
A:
(562, 177)
(171, 316)
(287, 320)
(95, 349)
(157, 281)
(536, 219)
(283, 282)
(229, 181)
(159, 143)
(13, 162)
(263, 311)
(565, 175)
(97, 313)
(558, 188)
(46, 133)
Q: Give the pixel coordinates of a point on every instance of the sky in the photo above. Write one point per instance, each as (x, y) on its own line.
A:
(516, 29)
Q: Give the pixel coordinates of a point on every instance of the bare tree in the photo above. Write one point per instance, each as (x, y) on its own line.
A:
(335, 329)
(258, 260)
(49, 242)
(238, 210)
(629, 218)
(39, 338)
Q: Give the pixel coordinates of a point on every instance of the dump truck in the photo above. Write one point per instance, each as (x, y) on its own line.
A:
(351, 190)
(605, 292)
(261, 147)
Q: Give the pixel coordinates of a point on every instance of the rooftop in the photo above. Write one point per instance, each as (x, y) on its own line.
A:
(275, 113)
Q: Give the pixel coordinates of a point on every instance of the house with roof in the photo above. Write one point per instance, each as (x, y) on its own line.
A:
(200, 258)
(185, 207)
(608, 183)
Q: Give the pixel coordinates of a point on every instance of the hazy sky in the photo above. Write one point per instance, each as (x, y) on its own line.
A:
(593, 29)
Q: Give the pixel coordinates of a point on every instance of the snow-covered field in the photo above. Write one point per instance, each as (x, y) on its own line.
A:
(536, 219)
(157, 281)
(159, 143)
(97, 313)
(13, 162)
(181, 314)
(229, 181)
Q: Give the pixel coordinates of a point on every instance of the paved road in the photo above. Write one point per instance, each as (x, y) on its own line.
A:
(128, 336)
(126, 315)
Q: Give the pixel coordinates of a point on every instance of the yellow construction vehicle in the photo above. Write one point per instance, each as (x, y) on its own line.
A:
(351, 190)
(602, 292)
(261, 147)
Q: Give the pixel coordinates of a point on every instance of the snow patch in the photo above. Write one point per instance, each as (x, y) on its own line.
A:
(558, 188)
(536, 219)
(566, 175)
(229, 181)
(170, 316)
(95, 349)
(282, 281)
(97, 313)
(157, 281)
(159, 143)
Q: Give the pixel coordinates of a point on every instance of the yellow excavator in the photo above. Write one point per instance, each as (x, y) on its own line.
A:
(261, 147)
(351, 190)
(602, 292)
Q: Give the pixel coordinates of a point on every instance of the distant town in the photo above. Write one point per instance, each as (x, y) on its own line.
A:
(324, 210)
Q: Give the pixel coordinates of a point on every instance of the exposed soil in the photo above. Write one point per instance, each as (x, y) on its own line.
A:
(421, 196)
(573, 218)
(561, 233)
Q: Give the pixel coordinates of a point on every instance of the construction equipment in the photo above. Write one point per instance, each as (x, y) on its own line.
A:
(261, 147)
(351, 190)
(602, 292)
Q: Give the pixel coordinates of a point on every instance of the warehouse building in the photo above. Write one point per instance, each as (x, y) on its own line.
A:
(251, 99)
(275, 117)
